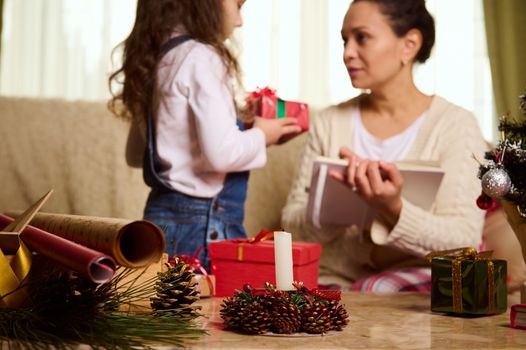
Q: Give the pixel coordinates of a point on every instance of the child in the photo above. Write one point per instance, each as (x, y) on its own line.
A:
(177, 90)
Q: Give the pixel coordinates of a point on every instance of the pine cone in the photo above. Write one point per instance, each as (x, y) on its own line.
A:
(255, 317)
(285, 318)
(231, 313)
(246, 313)
(273, 297)
(316, 317)
(176, 290)
(338, 315)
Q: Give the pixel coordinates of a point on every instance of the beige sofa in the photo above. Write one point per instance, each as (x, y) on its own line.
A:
(77, 149)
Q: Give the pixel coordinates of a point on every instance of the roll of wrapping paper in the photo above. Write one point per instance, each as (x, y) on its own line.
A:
(131, 243)
(96, 266)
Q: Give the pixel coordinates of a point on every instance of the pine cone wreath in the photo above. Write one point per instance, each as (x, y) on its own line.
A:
(176, 290)
(257, 311)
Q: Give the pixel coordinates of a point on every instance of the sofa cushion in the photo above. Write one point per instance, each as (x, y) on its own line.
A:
(269, 186)
(75, 148)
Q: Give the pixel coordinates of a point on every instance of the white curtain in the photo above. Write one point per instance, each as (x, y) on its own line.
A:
(296, 47)
(61, 48)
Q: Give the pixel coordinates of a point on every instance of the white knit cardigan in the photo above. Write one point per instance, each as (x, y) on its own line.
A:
(449, 135)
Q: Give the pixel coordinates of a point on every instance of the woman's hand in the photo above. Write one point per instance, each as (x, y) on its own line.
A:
(349, 176)
(274, 129)
(378, 183)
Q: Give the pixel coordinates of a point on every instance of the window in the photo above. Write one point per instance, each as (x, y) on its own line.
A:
(60, 48)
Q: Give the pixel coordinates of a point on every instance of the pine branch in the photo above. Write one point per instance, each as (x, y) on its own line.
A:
(68, 310)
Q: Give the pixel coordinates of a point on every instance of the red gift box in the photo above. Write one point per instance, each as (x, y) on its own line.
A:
(518, 316)
(270, 106)
(236, 262)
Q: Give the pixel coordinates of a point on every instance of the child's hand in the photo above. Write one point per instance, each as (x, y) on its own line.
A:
(248, 112)
(274, 129)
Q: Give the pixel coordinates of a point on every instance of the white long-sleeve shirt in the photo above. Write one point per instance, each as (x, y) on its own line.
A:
(197, 139)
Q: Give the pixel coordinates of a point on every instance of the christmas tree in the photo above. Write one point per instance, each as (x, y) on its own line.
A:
(503, 176)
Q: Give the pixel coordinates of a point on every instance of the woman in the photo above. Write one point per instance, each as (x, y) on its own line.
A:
(394, 121)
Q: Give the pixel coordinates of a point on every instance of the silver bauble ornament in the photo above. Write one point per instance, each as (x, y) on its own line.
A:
(496, 183)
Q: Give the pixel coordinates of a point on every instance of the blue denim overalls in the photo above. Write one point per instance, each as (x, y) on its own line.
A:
(190, 222)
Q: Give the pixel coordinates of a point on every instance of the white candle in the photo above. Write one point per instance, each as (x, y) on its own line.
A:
(283, 259)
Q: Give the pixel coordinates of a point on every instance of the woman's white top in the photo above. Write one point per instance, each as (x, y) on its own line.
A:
(391, 149)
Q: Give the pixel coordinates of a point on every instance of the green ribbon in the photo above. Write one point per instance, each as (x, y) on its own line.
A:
(281, 110)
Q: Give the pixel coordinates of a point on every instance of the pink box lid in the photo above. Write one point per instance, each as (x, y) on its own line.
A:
(302, 252)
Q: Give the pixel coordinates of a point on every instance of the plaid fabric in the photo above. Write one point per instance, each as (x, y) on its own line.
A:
(403, 280)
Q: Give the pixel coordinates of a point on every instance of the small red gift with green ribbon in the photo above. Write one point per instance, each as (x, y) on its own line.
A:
(269, 105)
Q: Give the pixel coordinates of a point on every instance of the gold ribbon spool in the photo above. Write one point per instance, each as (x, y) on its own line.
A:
(13, 273)
(459, 255)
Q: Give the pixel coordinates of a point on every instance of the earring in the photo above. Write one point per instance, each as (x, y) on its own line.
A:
(404, 62)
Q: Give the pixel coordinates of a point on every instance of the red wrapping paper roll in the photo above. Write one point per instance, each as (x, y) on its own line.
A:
(132, 244)
(96, 266)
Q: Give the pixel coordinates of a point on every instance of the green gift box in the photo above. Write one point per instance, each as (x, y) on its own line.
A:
(465, 282)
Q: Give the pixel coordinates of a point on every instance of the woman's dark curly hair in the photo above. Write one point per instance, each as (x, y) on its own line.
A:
(154, 23)
(405, 15)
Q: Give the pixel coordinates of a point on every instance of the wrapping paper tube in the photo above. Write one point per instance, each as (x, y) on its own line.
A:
(131, 243)
(92, 264)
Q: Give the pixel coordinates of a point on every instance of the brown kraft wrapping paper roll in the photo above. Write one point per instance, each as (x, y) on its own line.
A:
(131, 243)
(96, 266)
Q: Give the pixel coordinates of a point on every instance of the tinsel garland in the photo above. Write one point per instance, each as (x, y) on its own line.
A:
(67, 310)
(510, 156)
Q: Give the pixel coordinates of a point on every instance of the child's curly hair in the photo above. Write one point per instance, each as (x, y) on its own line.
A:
(154, 23)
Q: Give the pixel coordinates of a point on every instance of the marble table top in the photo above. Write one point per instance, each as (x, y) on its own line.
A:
(377, 322)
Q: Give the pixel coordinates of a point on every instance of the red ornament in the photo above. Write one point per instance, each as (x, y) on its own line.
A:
(484, 201)
(247, 288)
